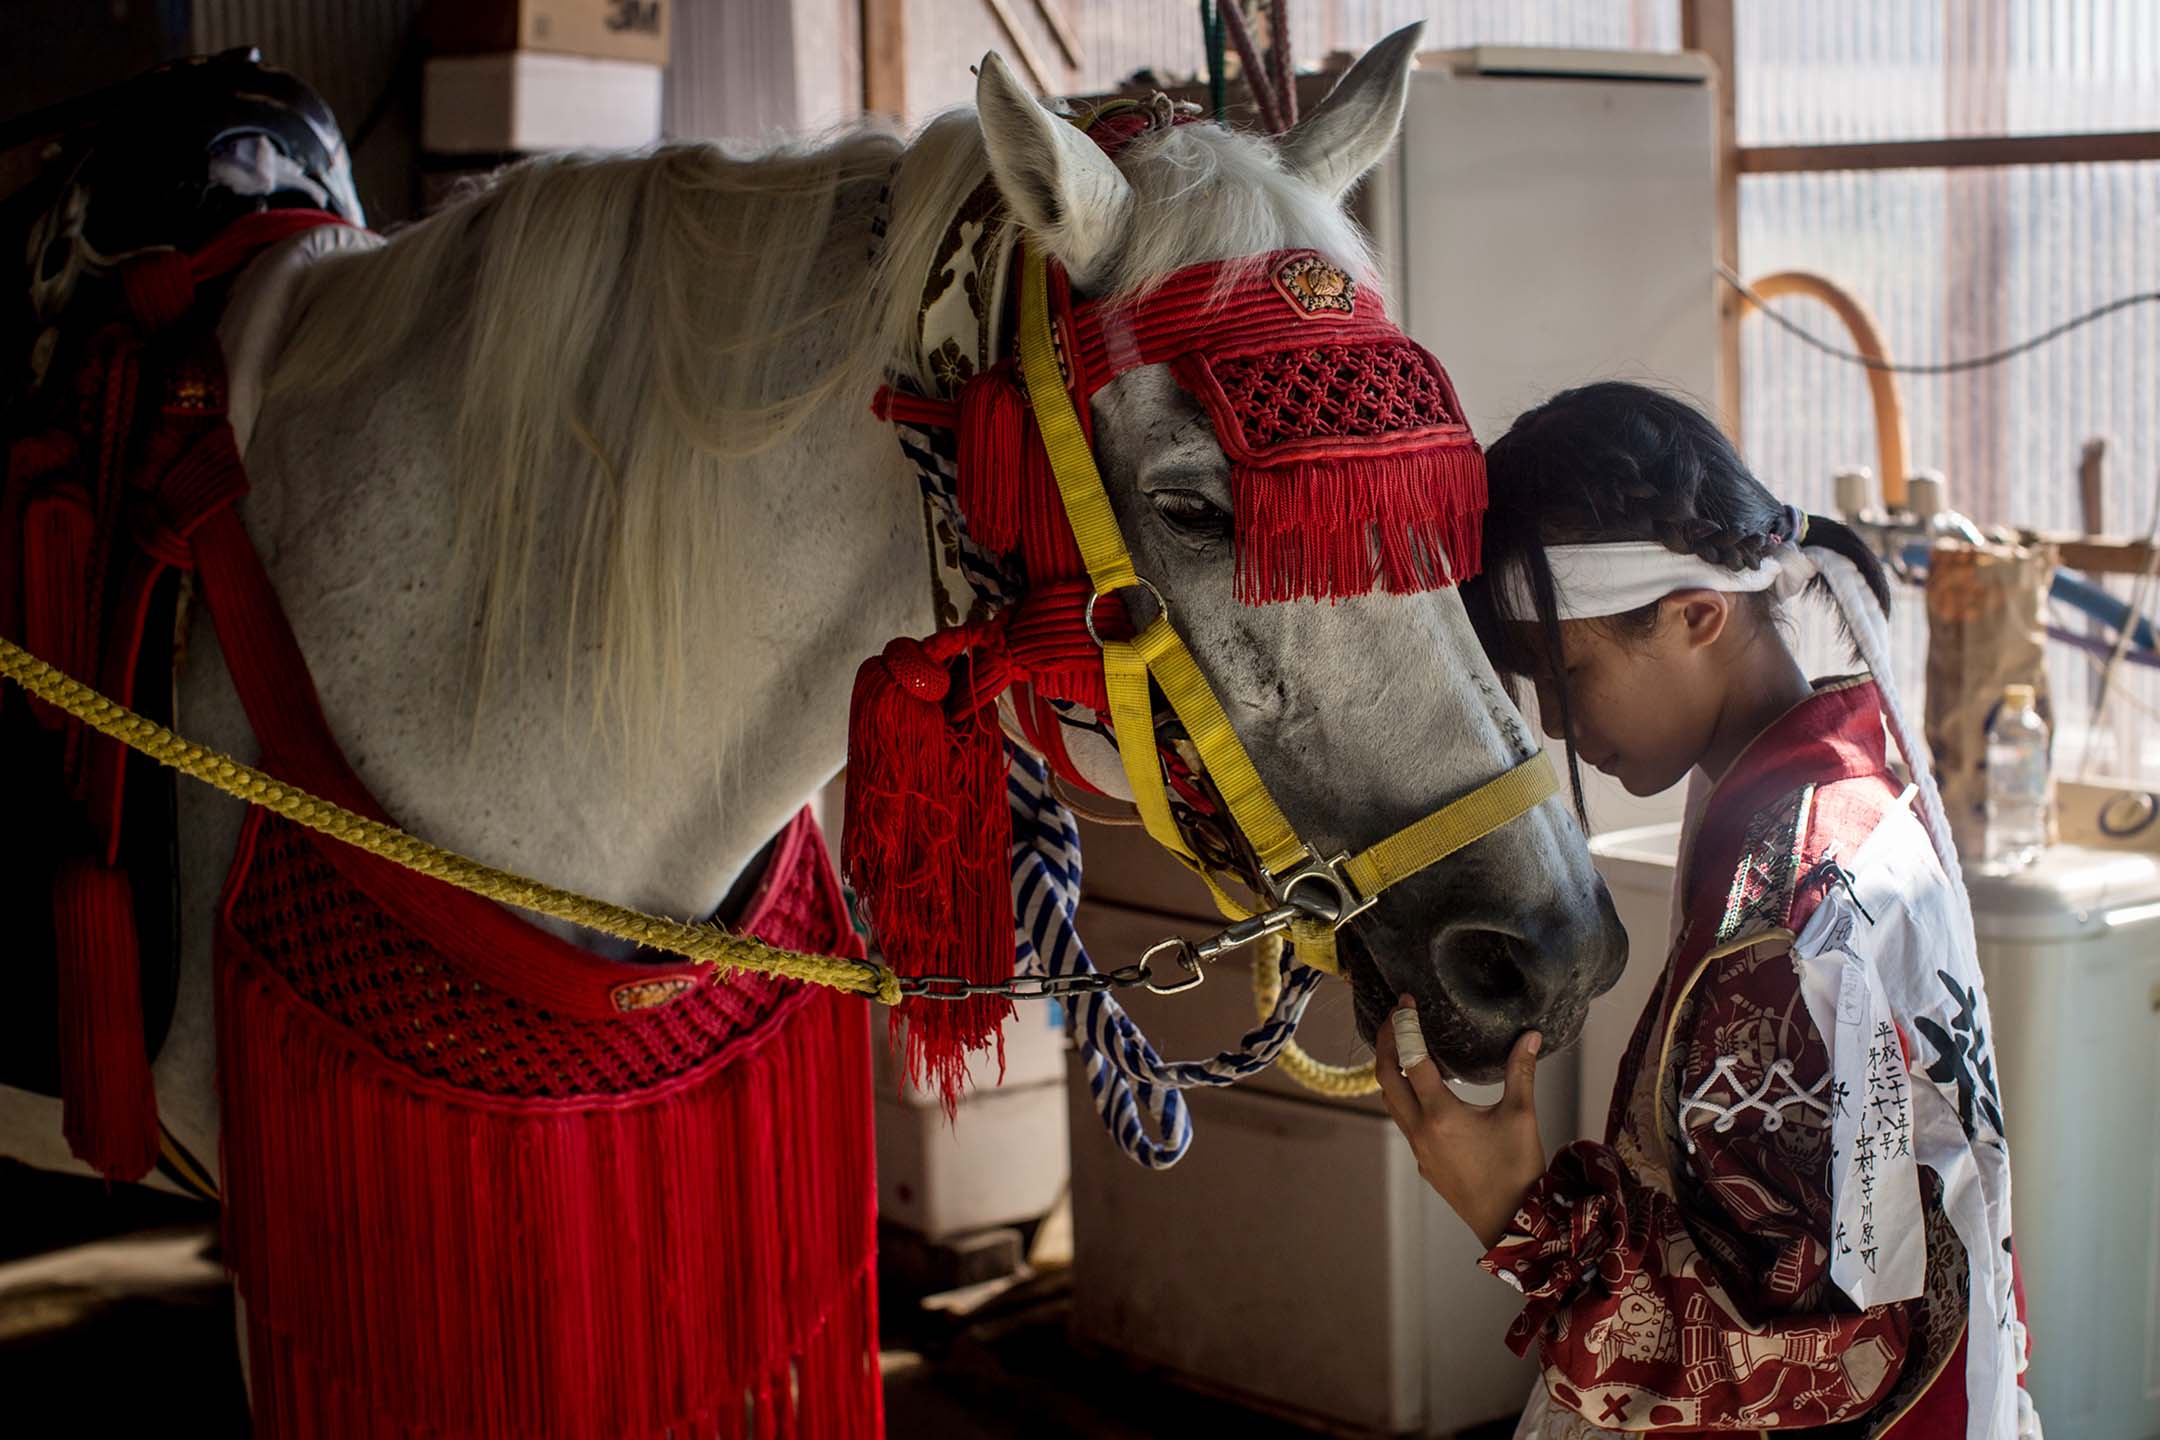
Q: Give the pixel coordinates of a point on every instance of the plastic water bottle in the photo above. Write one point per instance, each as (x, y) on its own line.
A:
(2018, 788)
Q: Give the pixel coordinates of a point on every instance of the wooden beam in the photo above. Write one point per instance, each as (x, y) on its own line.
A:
(1030, 58)
(884, 57)
(1707, 26)
(1053, 14)
(1954, 154)
(2099, 554)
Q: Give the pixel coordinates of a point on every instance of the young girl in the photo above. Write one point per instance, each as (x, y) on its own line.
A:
(1800, 1214)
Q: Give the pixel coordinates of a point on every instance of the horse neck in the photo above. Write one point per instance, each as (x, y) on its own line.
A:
(828, 561)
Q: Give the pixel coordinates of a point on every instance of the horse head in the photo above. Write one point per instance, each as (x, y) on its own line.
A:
(1362, 712)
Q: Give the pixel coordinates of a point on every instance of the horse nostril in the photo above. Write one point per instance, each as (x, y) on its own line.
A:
(1489, 972)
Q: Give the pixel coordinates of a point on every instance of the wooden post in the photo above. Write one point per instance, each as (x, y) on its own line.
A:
(2092, 471)
(1707, 26)
(884, 52)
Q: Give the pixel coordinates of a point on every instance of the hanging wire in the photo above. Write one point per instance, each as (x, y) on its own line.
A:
(1942, 367)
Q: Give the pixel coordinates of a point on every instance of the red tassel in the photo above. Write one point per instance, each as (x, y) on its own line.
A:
(57, 530)
(927, 842)
(109, 1112)
(1332, 528)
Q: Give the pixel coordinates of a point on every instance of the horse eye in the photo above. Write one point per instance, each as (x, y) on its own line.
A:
(1191, 511)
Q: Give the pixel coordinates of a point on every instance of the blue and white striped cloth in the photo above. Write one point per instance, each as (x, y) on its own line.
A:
(1125, 1075)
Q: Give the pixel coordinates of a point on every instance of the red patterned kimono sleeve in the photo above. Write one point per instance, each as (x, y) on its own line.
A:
(1712, 1310)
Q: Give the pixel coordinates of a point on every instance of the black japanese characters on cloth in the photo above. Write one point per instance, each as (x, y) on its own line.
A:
(1963, 1058)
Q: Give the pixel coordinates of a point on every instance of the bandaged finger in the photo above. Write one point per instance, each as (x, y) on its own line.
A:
(1410, 1049)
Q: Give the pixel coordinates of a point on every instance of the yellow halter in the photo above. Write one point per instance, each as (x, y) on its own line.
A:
(1309, 895)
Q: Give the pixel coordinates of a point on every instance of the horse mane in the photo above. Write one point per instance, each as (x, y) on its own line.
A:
(626, 338)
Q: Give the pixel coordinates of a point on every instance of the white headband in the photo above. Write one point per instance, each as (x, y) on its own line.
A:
(1593, 581)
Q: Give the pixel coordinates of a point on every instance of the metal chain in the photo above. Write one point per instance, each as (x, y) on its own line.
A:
(1025, 987)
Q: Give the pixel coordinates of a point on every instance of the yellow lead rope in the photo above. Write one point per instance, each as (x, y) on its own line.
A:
(703, 944)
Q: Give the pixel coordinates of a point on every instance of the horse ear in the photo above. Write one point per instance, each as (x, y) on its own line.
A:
(1350, 130)
(1056, 181)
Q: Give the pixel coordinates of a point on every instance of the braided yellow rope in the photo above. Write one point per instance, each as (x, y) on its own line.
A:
(1339, 1082)
(704, 944)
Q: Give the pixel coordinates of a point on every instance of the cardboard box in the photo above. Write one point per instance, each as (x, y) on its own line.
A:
(604, 29)
(522, 102)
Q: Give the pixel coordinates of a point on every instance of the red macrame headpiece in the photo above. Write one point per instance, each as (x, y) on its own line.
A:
(1351, 463)
(1352, 467)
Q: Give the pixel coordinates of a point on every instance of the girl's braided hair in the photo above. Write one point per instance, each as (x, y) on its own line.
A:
(1613, 462)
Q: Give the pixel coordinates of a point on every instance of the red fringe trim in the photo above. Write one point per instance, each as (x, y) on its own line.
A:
(109, 1110)
(1329, 529)
(926, 842)
(696, 1260)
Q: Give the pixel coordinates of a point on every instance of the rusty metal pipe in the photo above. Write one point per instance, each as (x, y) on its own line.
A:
(1890, 446)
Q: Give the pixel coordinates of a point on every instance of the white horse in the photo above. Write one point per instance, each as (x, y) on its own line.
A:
(575, 500)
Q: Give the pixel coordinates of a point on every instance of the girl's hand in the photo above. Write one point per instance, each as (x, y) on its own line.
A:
(1481, 1159)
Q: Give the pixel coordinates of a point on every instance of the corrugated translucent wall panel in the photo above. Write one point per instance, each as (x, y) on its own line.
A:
(1833, 70)
(1955, 264)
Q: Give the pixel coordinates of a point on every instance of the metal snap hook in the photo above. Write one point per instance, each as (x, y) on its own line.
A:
(1087, 616)
(1187, 957)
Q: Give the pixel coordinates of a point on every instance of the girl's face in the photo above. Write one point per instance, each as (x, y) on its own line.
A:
(1644, 705)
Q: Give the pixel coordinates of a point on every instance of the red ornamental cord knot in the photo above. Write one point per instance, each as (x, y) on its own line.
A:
(160, 288)
(913, 670)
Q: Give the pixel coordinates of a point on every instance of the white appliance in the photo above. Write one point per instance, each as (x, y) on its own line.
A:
(1547, 219)
(2071, 951)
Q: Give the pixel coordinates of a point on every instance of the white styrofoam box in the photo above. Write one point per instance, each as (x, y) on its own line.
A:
(1294, 1258)
(521, 101)
(1002, 1160)
(1034, 1055)
(1637, 866)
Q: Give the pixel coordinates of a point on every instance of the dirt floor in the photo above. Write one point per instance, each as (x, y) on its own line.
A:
(115, 1318)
